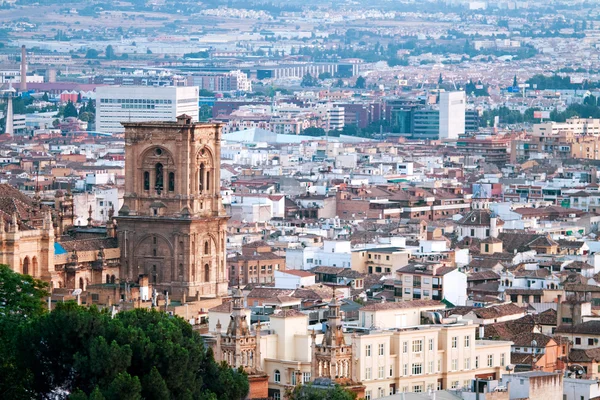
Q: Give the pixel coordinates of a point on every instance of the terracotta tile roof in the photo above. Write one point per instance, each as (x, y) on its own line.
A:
(484, 263)
(90, 244)
(487, 287)
(580, 355)
(476, 218)
(588, 327)
(299, 273)
(403, 305)
(226, 307)
(483, 275)
(525, 340)
(547, 317)
(498, 311)
(530, 292)
(265, 292)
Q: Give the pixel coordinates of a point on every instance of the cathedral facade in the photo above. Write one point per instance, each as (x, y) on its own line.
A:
(172, 225)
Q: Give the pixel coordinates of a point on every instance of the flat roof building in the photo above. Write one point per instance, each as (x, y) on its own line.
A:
(117, 104)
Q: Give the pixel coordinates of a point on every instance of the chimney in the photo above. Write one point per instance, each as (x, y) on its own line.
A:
(23, 85)
(558, 310)
(481, 332)
(9, 129)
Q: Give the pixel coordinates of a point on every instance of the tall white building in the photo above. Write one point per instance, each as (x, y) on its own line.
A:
(336, 118)
(116, 104)
(452, 114)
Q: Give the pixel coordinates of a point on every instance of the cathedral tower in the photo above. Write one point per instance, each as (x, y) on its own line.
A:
(172, 224)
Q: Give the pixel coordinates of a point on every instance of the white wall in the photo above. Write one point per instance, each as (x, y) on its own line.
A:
(452, 114)
(455, 287)
(289, 281)
(580, 389)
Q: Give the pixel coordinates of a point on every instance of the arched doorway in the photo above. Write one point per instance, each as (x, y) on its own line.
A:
(81, 284)
(26, 266)
(34, 266)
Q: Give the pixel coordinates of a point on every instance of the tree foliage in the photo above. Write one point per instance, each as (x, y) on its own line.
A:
(84, 353)
(309, 81)
(310, 392)
(361, 83)
(70, 110)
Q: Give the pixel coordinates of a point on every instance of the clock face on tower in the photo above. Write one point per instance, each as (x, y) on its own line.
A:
(172, 224)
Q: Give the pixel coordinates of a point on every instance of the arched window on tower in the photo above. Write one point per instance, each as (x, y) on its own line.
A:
(206, 273)
(206, 248)
(207, 180)
(159, 183)
(26, 266)
(201, 179)
(171, 181)
(146, 180)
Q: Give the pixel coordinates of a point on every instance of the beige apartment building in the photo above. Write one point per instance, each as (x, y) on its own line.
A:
(379, 260)
(408, 355)
(416, 357)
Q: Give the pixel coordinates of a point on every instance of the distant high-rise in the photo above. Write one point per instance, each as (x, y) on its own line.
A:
(23, 84)
(452, 114)
(117, 104)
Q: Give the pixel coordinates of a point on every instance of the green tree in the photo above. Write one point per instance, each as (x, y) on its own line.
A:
(21, 301)
(70, 110)
(205, 112)
(79, 97)
(74, 347)
(440, 79)
(154, 387)
(361, 83)
(308, 81)
(515, 82)
(325, 75)
(309, 392)
(206, 93)
(109, 53)
(92, 53)
(313, 131)
(45, 97)
(90, 107)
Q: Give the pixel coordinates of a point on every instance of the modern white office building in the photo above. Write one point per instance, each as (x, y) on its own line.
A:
(452, 114)
(116, 104)
(336, 118)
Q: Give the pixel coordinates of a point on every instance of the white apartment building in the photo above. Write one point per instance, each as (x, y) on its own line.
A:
(100, 200)
(336, 118)
(332, 254)
(117, 104)
(452, 114)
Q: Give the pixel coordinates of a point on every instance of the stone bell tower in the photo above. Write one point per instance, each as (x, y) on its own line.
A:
(333, 357)
(172, 225)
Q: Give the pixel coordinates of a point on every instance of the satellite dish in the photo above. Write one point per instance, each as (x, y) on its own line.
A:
(76, 292)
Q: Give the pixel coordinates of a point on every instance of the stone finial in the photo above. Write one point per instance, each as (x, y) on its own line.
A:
(90, 216)
(14, 224)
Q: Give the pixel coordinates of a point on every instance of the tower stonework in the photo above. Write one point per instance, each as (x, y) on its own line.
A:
(172, 225)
